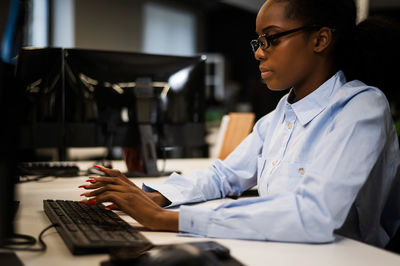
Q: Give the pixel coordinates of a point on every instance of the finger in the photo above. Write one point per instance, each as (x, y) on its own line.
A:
(106, 196)
(84, 201)
(92, 178)
(112, 207)
(113, 173)
(91, 186)
(108, 171)
(115, 180)
(108, 183)
(105, 180)
(112, 188)
(88, 202)
(96, 183)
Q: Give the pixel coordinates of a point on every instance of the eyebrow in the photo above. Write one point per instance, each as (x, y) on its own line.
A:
(269, 28)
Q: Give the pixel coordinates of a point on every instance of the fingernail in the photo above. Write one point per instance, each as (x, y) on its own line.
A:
(82, 186)
(107, 207)
(98, 166)
(85, 194)
(91, 180)
(83, 201)
(92, 202)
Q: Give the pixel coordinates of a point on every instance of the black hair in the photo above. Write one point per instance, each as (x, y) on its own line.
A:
(339, 15)
(369, 51)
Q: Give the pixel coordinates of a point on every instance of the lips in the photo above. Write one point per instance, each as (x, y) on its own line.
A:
(265, 73)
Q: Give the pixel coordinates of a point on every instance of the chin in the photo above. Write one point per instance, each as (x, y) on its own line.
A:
(274, 87)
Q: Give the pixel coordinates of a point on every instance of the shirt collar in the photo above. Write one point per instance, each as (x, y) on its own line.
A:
(311, 105)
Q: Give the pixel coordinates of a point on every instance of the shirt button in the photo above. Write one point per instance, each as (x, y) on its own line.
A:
(289, 125)
(301, 171)
(273, 163)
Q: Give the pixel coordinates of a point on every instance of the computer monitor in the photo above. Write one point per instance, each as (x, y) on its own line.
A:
(120, 88)
(108, 98)
(8, 148)
(131, 99)
(40, 83)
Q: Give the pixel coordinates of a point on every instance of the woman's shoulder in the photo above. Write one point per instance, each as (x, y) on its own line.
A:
(357, 86)
(360, 99)
(356, 90)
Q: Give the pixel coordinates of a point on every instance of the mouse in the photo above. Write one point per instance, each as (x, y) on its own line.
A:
(186, 254)
(180, 255)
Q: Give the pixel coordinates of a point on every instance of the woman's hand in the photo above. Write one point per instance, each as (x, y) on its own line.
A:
(157, 197)
(127, 197)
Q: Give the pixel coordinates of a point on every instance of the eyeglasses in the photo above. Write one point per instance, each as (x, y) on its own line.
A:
(264, 41)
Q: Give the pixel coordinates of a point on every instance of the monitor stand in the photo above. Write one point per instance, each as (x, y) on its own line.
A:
(148, 154)
(144, 93)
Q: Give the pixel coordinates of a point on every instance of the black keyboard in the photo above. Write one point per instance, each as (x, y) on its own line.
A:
(87, 230)
(62, 169)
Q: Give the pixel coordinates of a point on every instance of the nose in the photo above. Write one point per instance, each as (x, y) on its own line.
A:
(259, 55)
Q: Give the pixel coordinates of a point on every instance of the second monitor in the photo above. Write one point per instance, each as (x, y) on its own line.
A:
(116, 98)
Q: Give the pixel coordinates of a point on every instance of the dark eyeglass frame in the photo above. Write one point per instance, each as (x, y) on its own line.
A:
(257, 43)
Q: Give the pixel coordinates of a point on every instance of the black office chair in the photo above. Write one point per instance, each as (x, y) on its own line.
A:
(394, 214)
(385, 39)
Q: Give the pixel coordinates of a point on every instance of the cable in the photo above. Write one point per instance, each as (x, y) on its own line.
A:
(13, 242)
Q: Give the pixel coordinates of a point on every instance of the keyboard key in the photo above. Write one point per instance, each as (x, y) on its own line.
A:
(72, 227)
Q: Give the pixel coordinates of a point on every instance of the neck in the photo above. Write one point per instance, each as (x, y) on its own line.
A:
(314, 80)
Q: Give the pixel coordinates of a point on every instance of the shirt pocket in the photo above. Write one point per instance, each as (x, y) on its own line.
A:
(285, 177)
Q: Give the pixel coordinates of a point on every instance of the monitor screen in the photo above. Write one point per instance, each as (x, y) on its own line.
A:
(40, 82)
(89, 98)
(117, 80)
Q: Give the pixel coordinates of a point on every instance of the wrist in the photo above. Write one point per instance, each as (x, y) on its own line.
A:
(167, 220)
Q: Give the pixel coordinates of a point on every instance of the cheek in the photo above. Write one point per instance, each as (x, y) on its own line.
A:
(284, 72)
(289, 64)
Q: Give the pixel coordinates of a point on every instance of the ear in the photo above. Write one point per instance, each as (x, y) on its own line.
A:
(322, 39)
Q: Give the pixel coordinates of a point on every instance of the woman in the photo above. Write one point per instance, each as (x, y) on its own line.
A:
(329, 145)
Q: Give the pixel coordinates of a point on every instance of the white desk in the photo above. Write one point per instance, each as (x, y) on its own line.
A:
(31, 219)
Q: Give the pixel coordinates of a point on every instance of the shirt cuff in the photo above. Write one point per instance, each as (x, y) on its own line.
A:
(168, 191)
(194, 219)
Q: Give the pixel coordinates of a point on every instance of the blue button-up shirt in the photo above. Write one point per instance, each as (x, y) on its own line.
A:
(309, 159)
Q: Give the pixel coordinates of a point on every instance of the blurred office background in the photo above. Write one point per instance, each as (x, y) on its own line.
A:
(220, 29)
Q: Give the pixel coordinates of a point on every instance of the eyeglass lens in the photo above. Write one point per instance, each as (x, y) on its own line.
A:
(259, 42)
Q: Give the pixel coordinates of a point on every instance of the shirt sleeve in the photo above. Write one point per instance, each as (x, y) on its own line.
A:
(237, 173)
(319, 204)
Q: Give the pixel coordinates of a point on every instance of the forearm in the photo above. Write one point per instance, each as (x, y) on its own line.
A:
(167, 221)
(200, 185)
(275, 218)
